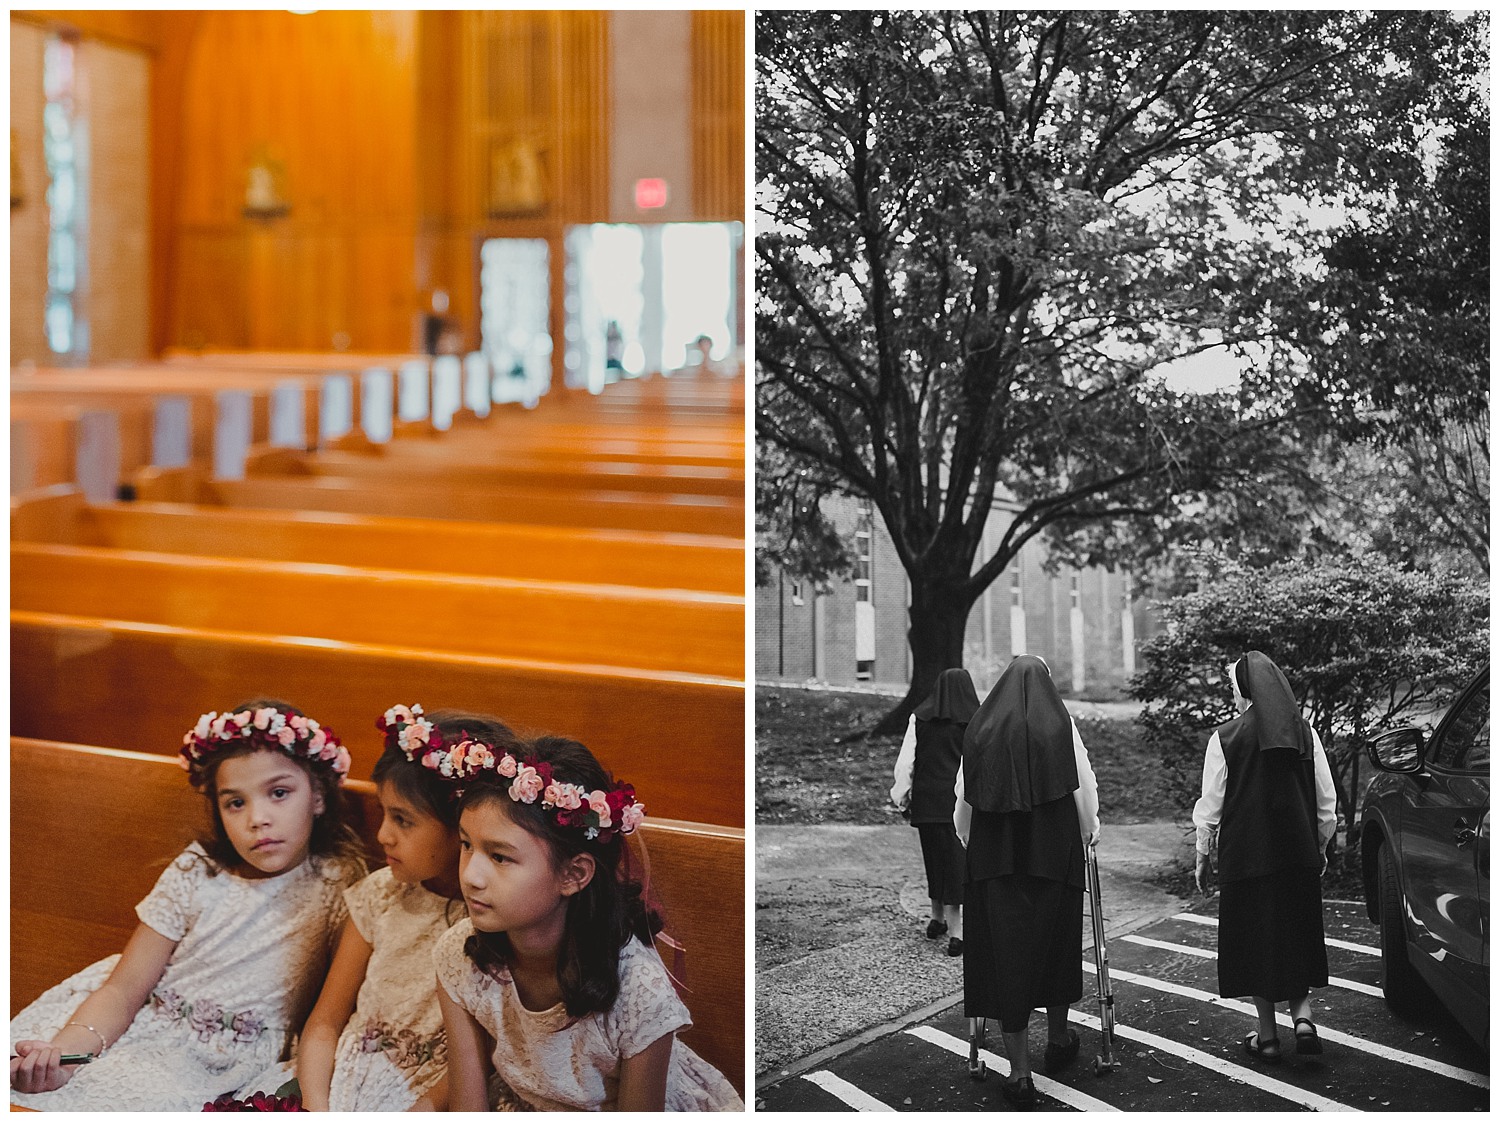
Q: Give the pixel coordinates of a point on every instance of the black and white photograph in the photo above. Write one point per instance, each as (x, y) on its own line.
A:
(1122, 578)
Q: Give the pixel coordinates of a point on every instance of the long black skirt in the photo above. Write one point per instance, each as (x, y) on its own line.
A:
(1271, 936)
(1023, 947)
(943, 858)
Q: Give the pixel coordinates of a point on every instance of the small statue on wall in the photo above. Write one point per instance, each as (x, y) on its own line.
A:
(265, 189)
(518, 184)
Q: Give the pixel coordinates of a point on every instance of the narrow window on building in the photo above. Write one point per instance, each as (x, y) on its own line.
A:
(60, 146)
(1075, 634)
(797, 593)
(1017, 615)
(864, 594)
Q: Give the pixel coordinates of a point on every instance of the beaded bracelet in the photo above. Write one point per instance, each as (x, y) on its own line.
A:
(103, 1047)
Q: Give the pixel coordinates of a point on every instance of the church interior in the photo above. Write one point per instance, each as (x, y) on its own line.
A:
(376, 357)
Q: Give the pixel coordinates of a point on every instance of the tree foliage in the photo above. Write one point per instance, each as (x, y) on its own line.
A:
(982, 234)
(1366, 646)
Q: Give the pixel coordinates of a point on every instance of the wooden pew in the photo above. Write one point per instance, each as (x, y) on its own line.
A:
(103, 442)
(136, 392)
(587, 625)
(43, 446)
(73, 904)
(518, 472)
(59, 515)
(394, 369)
(678, 736)
(297, 361)
(488, 442)
(289, 408)
(605, 510)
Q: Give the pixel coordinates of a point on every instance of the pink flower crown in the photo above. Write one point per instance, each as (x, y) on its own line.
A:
(600, 814)
(299, 737)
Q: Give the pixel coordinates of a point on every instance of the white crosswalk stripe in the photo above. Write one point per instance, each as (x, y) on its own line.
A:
(1216, 1074)
(997, 1063)
(1342, 944)
(1200, 952)
(846, 1092)
(1217, 1064)
(1463, 1075)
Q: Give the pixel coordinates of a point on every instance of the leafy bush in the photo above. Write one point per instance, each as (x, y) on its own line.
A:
(1366, 646)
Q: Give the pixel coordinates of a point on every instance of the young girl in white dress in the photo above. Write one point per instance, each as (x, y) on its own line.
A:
(375, 1039)
(233, 940)
(553, 981)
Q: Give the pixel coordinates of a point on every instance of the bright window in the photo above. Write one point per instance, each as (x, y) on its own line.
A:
(60, 139)
(514, 288)
(649, 299)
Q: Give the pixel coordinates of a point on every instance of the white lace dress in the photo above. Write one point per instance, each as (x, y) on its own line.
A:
(553, 1065)
(392, 1050)
(250, 957)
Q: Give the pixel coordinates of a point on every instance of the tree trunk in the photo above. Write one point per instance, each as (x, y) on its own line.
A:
(939, 613)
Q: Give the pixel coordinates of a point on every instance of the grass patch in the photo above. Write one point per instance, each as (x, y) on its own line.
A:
(812, 765)
(804, 775)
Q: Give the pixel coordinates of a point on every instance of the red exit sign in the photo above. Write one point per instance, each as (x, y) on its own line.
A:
(650, 194)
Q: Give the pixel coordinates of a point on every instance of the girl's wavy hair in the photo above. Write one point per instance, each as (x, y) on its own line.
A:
(601, 918)
(333, 839)
(423, 786)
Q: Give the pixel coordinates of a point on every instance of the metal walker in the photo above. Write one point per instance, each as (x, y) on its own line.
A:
(1105, 1063)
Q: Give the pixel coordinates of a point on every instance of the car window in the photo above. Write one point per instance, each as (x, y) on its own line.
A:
(1466, 738)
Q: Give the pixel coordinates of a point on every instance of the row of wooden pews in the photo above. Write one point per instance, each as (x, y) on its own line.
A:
(575, 567)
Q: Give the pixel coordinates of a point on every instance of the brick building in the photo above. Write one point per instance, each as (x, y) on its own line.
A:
(1084, 622)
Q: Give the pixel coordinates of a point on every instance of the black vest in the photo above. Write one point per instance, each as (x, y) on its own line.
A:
(940, 750)
(1041, 842)
(1270, 818)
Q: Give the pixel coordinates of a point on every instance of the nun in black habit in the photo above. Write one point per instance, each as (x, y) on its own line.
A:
(926, 770)
(1268, 801)
(1027, 804)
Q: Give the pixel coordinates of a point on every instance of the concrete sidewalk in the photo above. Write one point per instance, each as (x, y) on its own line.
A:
(840, 912)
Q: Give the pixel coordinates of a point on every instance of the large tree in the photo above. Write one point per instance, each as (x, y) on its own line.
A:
(981, 235)
(1402, 313)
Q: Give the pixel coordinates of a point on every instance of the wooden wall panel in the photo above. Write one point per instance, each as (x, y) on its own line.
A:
(28, 222)
(535, 86)
(331, 99)
(138, 29)
(114, 97)
(387, 125)
(718, 115)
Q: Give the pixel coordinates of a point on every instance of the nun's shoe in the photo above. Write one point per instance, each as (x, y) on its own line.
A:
(936, 927)
(1268, 1051)
(955, 948)
(1308, 1043)
(1019, 1092)
(1059, 1056)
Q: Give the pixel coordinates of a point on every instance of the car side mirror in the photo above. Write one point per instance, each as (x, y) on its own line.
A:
(1399, 750)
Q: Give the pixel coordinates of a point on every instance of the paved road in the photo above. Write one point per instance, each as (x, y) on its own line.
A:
(840, 912)
(1176, 1042)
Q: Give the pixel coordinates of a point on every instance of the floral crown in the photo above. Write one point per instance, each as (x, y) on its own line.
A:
(268, 727)
(600, 814)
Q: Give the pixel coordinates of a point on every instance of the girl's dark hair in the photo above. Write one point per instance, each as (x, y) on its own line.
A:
(333, 839)
(425, 787)
(605, 915)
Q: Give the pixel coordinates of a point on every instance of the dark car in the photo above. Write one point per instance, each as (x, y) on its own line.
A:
(1425, 840)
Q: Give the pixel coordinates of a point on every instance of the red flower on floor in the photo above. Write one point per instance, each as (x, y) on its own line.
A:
(258, 1101)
